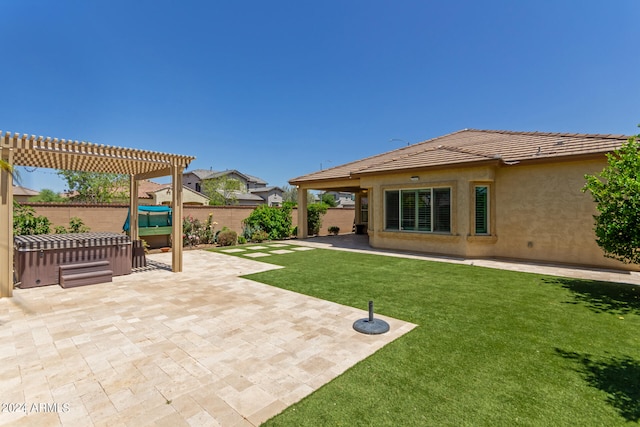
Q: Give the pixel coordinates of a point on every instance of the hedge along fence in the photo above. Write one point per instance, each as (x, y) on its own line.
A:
(111, 217)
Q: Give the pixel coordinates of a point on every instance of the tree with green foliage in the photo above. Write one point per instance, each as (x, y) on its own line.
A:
(47, 195)
(273, 220)
(291, 195)
(222, 191)
(314, 217)
(96, 187)
(616, 191)
(25, 221)
(329, 200)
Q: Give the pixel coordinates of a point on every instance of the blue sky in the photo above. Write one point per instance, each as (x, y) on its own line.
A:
(275, 89)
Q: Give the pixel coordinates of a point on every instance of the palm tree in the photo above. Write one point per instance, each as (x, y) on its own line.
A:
(5, 166)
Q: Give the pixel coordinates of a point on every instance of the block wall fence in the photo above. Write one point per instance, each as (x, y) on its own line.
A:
(111, 217)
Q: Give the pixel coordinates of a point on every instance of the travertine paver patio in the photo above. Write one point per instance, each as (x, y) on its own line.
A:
(202, 347)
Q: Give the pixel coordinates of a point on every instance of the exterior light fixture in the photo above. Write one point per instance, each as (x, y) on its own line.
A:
(415, 178)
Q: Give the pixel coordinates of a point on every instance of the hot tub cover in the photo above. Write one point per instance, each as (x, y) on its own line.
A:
(70, 240)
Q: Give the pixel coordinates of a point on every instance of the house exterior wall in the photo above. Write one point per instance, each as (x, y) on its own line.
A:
(164, 197)
(537, 212)
(453, 243)
(273, 197)
(542, 214)
(191, 180)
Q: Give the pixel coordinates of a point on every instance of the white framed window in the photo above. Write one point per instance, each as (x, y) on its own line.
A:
(424, 210)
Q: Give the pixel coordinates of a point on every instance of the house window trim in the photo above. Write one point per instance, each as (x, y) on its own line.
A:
(424, 187)
(491, 224)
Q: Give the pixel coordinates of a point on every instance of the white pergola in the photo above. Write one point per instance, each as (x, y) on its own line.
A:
(54, 153)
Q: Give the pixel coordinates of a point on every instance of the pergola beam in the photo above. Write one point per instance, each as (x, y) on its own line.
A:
(154, 174)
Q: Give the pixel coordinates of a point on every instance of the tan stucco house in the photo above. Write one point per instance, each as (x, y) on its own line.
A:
(153, 193)
(478, 194)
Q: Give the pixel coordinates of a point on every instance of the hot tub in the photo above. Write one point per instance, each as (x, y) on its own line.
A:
(37, 259)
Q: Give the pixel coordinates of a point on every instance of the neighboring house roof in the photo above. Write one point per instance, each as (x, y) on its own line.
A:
(471, 146)
(247, 196)
(24, 191)
(146, 187)
(256, 179)
(265, 189)
(200, 173)
(210, 174)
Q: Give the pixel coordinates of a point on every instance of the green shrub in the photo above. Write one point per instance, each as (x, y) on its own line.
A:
(77, 226)
(227, 238)
(26, 222)
(314, 217)
(195, 232)
(334, 229)
(275, 221)
(242, 240)
(259, 236)
(248, 230)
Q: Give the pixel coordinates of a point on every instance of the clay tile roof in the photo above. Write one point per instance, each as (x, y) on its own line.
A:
(472, 146)
(24, 191)
(145, 187)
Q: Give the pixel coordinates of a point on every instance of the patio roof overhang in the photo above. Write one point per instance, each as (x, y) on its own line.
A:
(32, 151)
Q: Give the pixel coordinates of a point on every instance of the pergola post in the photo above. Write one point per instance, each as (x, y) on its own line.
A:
(176, 236)
(303, 231)
(6, 225)
(133, 208)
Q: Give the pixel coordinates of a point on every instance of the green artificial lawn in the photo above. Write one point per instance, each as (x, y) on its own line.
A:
(492, 347)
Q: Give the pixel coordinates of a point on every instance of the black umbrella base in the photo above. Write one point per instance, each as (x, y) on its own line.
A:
(371, 327)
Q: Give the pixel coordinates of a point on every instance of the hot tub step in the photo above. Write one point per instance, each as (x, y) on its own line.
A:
(87, 273)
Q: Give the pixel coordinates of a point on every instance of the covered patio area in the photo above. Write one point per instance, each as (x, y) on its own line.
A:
(362, 214)
(54, 153)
